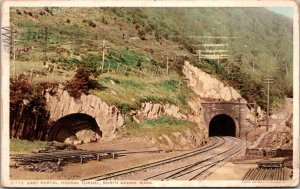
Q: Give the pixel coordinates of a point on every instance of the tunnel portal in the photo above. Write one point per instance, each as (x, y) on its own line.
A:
(222, 125)
(76, 128)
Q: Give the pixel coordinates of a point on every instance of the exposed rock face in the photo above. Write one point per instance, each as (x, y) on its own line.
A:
(220, 99)
(183, 140)
(196, 115)
(108, 118)
(154, 110)
(207, 86)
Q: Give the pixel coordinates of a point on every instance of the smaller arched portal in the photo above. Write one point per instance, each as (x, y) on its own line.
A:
(75, 129)
(222, 125)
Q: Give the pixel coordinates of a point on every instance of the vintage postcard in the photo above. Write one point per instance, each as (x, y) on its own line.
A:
(146, 93)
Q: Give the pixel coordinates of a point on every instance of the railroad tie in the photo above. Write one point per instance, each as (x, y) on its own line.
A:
(279, 174)
(282, 174)
(247, 174)
(275, 174)
(254, 174)
(265, 173)
(261, 174)
(272, 174)
(258, 175)
(268, 172)
(251, 175)
(272, 171)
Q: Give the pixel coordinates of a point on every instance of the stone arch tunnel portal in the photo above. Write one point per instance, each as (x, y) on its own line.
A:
(222, 125)
(78, 127)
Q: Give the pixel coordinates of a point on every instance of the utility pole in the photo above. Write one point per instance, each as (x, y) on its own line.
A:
(268, 80)
(239, 101)
(199, 55)
(103, 55)
(228, 70)
(14, 55)
(10, 40)
(167, 65)
(255, 112)
(46, 44)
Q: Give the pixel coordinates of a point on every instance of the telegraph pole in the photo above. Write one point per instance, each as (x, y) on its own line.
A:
(199, 54)
(10, 39)
(14, 56)
(46, 44)
(167, 65)
(239, 100)
(103, 55)
(268, 80)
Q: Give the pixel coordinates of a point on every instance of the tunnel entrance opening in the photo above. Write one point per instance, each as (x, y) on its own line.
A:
(222, 125)
(76, 129)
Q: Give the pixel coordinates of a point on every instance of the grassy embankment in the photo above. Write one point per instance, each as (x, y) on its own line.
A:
(18, 146)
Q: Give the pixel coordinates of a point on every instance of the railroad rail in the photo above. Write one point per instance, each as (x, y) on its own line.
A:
(192, 165)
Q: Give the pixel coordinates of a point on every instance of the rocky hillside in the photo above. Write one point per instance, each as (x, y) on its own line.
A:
(137, 55)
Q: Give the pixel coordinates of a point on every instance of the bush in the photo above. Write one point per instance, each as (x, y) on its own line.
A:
(81, 83)
(142, 34)
(91, 23)
(20, 89)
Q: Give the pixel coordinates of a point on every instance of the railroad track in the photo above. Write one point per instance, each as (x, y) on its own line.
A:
(201, 169)
(189, 166)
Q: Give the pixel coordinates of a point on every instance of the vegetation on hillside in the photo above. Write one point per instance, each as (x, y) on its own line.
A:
(157, 127)
(128, 92)
(142, 38)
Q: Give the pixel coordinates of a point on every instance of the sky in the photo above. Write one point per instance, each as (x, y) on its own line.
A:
(286, 11)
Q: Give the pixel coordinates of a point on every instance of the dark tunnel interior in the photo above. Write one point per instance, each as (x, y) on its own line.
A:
(71, 125)
(222, 125)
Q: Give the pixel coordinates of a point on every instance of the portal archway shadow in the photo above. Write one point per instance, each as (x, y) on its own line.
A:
(75, 127)
(222, 125)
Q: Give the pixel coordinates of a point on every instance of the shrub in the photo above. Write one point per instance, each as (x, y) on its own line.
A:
(81, 83)
(104, 21)
(91, 23)
(20, 89)
(28, 114)
(142, 34)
